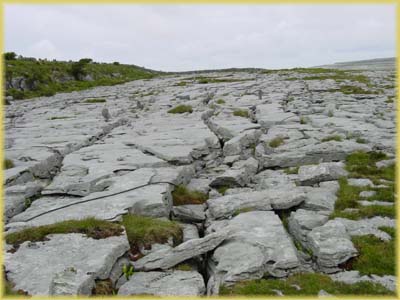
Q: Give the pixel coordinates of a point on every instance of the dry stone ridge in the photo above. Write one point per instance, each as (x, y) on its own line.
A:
(196, 184)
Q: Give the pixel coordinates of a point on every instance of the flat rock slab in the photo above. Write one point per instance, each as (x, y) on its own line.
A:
(263, 200)
(176, 283)
(149, 199)
(169, 257)
(174, 138)
(83, 169)
(65, 264)
(309, 175)
(257, 244)
(331, 245)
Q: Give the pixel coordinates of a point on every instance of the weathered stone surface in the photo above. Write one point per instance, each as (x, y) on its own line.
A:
(301, 222)
(351, 277)
(246, 139)
(309, 175)
(240, 174)
(148, 199)
(229, 205)
(189, 213)
(176, 283)
(64, 264)
(330, 245)
(257, 244)
(167, 258)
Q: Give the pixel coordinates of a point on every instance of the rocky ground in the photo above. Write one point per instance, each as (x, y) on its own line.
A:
(220, 183)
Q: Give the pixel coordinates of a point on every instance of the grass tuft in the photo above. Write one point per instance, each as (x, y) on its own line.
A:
(310, 284)
(95, 100)
(182, 196)
(337, 138)
(220, 101)
(181, 109)
(276, 142)
(143, 231)
(241, 113)
(96, 229)
(293, 170)
(8, 164)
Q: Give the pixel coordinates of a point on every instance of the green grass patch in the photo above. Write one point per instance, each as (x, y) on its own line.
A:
(50, 77)
(222, 189)
(184, 267)
(220, 101)
(181, 109)
(310, 284)
(95, 100)
(8, 164)
(293, 170)
(96, 229)
(142, 231)
(361, 140)
(351, 89)
(336, 138)
(303, 120)
(375, 256)
(182, 196)
(276, 142)
(181, 83)
(241, 113)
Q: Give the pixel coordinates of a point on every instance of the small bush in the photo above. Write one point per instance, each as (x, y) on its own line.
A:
(276, 142)
(182, 196)
(220, 101)
(181, 109)
(95, 100)
(8, 164)
(241, 113)
(10, 56)
(103, 287)
(143, 231)
(336, 138)
(96, 229)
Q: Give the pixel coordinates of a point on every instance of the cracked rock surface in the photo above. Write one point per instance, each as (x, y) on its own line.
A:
(270, 163)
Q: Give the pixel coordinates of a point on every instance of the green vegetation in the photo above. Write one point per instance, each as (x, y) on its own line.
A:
(103, 287)
(96, 229)
(45, 78)
(362, 165)
(181, 109)
(8, 164)
(375, 256)
(95, 100)
(361, 140)
(293, 170)
(241, 113)
(182, 196)
(222, 189)
(10, 56)
(205, 80)
(310, 284)
(220, 101)
(330, 114)
(390, 99)
(127, 271)
(303, 120)
(184, 267)
(351, 89)
(337, 138)
(181, 83)
(142, 231)
(276, 142)
(242, 210)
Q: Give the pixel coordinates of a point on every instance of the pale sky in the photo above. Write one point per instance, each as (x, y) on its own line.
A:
(191, 37)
